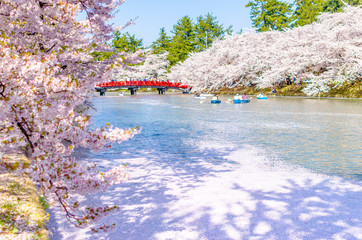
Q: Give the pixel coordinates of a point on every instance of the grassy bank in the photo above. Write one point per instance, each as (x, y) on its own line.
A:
(347, 90)
(22, 214)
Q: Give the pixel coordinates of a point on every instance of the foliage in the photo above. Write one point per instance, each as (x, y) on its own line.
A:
(43, 202)
(126, 42)
(21, 214)
(269, 15)
(189, 37)
(162, 44)
(329, 50)
(307, 11)
(47, 75)
(208, 29)
(183, 41)
(102, 56)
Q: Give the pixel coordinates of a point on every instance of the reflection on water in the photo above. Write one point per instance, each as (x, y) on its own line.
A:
(322, 135)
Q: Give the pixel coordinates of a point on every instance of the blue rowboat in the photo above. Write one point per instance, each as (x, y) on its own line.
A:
(236, 101)
(215, 101)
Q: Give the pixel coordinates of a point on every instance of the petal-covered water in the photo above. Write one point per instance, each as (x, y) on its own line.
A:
(282, 168)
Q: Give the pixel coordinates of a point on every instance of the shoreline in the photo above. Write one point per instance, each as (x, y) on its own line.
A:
(23, 213)
(346, 91)
(115, 94)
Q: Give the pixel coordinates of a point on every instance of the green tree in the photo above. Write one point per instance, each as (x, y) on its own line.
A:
(332, 6)
(120, 43)
(162, 44)
(183, 41)
(269, 15)
(100, 56)
(306, 11)
(126, 42)
(337, 5)
(207, 29)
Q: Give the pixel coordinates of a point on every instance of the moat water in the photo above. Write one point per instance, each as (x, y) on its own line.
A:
(322, 135)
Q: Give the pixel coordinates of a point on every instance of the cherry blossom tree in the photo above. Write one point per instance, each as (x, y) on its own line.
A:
(154, 66)
(328, 52)
(317, 86)
(47, 74)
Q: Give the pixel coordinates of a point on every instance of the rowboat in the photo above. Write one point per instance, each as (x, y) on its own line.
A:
(236, 101)
(216, 101)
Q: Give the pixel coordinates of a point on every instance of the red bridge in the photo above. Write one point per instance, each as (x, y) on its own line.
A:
(133, 86)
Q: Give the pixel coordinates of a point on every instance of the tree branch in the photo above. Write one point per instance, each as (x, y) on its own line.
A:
(70, 216)
(2, 89)
(44, 4)
(22, 129)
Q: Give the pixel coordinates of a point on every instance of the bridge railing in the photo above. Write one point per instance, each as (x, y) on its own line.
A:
(142, 84)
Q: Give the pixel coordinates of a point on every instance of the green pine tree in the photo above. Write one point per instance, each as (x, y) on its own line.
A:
(126, 42)
(120, 43)
(307, 11)
(269, 15)
(183, 41)
(162, 44)
(207, 29)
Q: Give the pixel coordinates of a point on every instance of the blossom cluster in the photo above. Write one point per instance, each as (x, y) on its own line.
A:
(153, 66)
(48, 74)
(325, 52)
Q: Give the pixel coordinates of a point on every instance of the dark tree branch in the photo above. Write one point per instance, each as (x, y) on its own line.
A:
(44, 4)
(2, 89)
(41, 47)
(22, 129)
(70, 216)
(50, 48)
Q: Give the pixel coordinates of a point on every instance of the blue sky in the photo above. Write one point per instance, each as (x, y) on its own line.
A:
(155, 14)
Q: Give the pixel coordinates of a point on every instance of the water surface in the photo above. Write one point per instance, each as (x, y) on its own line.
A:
(323, 135)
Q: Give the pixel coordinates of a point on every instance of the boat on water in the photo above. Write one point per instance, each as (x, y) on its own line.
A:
(239, 99)
(215, 101)
(206, 95)
(199, 97)
(261, 96)
(236, 101)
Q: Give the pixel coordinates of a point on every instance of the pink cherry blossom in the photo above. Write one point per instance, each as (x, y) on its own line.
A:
(325, 52)
(48, 75)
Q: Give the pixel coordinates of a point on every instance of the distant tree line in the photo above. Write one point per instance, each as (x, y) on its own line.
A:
(326, 54)
(188, 37)
(267, 15)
